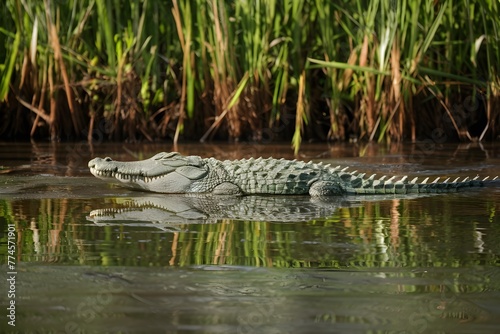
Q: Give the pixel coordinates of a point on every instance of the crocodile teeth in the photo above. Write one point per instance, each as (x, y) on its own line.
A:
(436, 180)
(456, 180)
(392, 178)
(344, 169)
(446, 181)
(372, 177)
(425, 181)
(414, 180)
(403, 179)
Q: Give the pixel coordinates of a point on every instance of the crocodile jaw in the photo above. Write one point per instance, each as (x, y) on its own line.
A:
(163, 173)
(135, 181)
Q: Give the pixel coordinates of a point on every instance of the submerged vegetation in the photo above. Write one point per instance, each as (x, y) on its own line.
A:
(258, 70)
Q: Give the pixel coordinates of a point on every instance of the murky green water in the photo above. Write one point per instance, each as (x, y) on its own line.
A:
(89, 257)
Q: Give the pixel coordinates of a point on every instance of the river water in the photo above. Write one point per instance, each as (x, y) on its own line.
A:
(82, 256)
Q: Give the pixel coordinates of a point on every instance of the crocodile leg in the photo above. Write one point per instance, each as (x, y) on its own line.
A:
(325, 188)
(227, 188)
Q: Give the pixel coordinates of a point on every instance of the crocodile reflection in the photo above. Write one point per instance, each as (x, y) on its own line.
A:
(169, 212)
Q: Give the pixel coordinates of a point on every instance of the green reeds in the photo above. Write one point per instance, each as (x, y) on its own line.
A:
(371, 70)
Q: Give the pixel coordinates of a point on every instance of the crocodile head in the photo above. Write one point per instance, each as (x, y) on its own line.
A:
(164, 172)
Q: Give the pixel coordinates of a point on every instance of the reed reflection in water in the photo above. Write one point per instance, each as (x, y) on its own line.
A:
(438, 256)
(451, 230)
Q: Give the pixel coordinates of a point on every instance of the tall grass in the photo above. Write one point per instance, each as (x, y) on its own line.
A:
(258, 70)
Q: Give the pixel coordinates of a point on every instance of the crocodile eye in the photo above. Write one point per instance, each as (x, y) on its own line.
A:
(171, 155)
(108, 159)
(165, 155)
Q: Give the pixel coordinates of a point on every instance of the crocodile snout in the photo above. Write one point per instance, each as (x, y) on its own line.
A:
(92, 163)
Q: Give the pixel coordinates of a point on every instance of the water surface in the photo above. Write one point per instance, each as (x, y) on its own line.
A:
(91, 257)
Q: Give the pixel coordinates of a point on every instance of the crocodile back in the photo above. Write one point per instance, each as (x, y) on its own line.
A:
(275, 176)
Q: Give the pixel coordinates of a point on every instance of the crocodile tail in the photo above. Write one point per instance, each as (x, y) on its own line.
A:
(358, 184)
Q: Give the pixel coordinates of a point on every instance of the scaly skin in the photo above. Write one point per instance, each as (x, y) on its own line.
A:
(174, 173)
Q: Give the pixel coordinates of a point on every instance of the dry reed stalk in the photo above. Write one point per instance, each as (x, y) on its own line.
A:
(56, 46)
(53, 102)
(395, 99)
(300, 113)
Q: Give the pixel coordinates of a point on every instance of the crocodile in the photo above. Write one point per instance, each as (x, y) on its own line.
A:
(174, 173)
